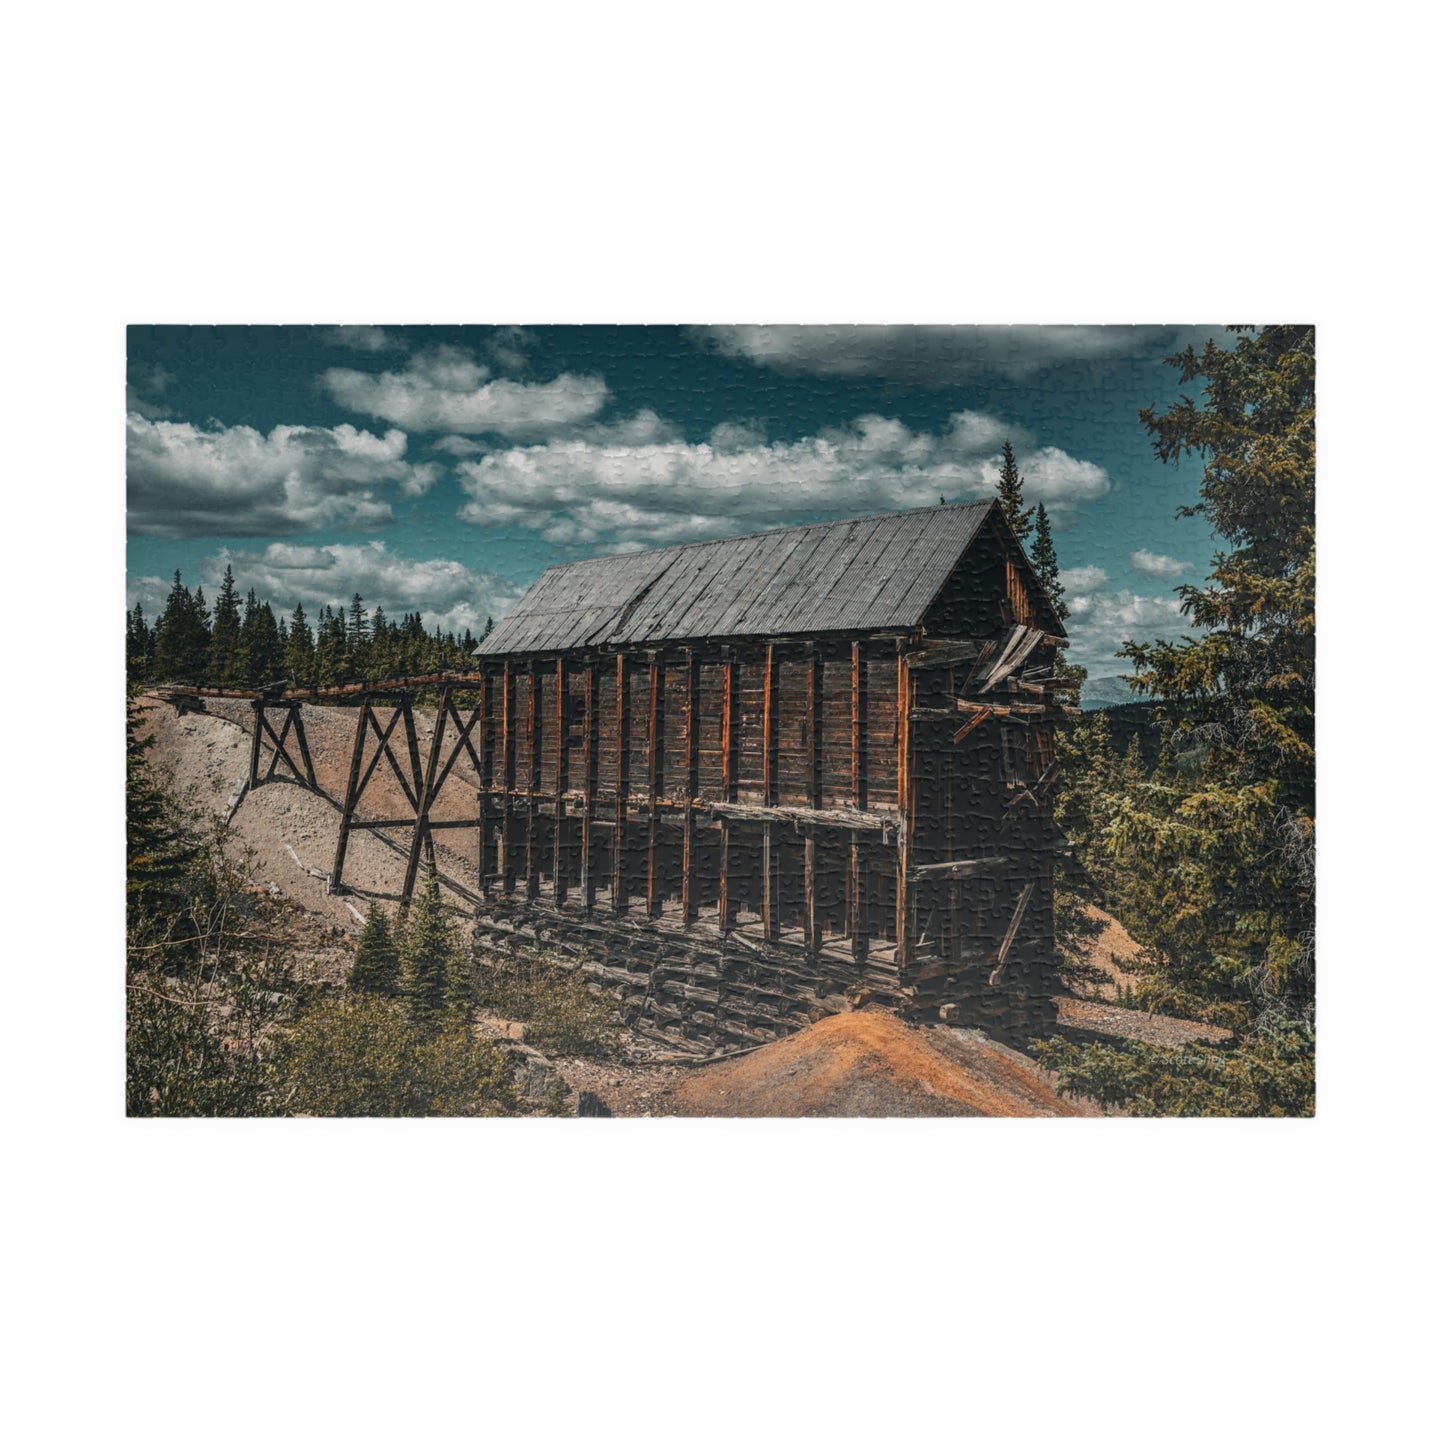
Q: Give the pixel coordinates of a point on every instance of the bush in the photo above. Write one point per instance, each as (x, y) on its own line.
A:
(361, 1056)
(562, 1014)
(1268, 1073)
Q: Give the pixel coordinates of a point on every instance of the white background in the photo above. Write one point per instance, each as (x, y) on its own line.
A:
(685, 1281)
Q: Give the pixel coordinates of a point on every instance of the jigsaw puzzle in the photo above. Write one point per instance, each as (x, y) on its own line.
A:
(720, 720)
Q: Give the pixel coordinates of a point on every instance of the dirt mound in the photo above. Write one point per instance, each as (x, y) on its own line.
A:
(873, 1065)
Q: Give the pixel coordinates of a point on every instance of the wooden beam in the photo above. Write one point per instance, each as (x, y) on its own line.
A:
(729, 792)
(855, 905)
(689, 842)
(559, 816)
(420, 833)
(959, 868)
(1015, 923)
(619, 833)
(906, 920)
(486, 736)
(654, 759)
(509, 777)
(301, 743)
(534, 769)
(258, 714)
(589, 779)
(813, 763)
(770, 860)
(348, 804)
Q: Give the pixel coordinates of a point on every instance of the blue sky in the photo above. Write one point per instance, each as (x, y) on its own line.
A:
(441, 469)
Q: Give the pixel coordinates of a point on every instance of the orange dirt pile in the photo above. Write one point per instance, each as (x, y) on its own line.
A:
(873, 1065)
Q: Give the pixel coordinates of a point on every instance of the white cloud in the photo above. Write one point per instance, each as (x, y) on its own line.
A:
(361, 338)
(1082, 579)
(941, 355)
(590, 492)
(448, 390)
(1155, 564)
(189, 481)
(1100, 623)
(446, 593)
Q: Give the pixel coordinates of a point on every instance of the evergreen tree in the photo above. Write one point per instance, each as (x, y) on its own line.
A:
(139, 645)
(330, 648)
(377, 966)
(225, 634)
(1011, 496)
(436, 974)
(1046, 562)
(182, 643)
(300, 659)
(161, 848)
(488, 628)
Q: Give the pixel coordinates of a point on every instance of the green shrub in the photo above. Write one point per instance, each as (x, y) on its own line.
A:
(1268, 1073)
(361, 1056)
(562, 1014)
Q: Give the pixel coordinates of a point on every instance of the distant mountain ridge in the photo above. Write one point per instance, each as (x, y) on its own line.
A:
(1100, 692)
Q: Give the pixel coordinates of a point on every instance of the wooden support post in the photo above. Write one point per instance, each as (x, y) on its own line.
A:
(619, 829)
(534, 769)
(559, 819)
(906, 921)
(486, 737)
(770, 861)
(689, 842)
(301, 743)
(729, 792)
(348, 804)
(812, 753)
(856, 904)
(654, 760)
(509, 776)
(421, 831)
(589, 780)
(258, 714)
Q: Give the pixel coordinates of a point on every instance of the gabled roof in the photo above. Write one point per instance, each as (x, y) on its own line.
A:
(865, 574)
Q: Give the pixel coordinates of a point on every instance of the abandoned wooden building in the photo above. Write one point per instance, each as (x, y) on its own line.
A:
(745, 779)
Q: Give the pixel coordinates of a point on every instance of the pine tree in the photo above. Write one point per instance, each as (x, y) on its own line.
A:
(300, 660)
(436, 974)
(225, 634)
(377, 966)
(139, 646)
(486, 631)
(182, 644)
(1046, 562)
(1011, 496)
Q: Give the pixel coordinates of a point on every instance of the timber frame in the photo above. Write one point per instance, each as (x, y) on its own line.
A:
(736, 834)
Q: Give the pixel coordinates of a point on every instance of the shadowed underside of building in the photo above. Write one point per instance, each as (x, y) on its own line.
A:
(743, 781)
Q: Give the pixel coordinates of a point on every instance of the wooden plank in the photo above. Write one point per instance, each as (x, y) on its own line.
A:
(589, 780)
(770, 861)
(977, 720)
(813, 765)
(855, 905)
(907, 809)
(690, 732)
(654, 758)
(729, 792)
(486, 730)
(348, 805)
(958, 868)
(619, 835)
(509, 775)
(1014, 924)
(559, 816)
(258, 713)
(534, 767)
(420, 831)
(301, 743)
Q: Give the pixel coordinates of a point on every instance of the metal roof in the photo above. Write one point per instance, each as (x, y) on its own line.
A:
(854, 576)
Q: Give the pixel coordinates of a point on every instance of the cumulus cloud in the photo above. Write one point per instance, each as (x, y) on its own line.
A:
(1101, 622)
(447, 389)
(144, 388)
(941, 355)
(614, 492)
(1082, 579)
(586, 491)
(1156, 564)
(189, 481)
(361, 338)
(448, 594)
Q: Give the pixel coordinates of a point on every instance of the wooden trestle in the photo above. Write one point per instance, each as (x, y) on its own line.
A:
(828, 817)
